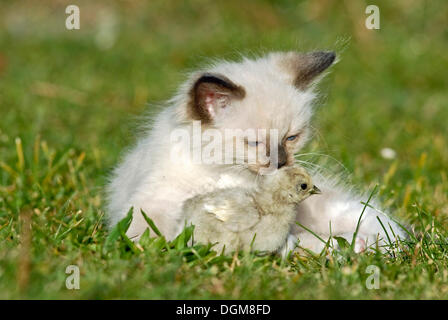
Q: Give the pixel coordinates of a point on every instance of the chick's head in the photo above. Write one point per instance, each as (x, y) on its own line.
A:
(291, 185)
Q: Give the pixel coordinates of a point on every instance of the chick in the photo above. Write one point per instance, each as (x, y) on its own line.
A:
(243, 219)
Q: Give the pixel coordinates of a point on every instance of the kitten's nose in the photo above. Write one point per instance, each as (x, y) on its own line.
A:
(280, 164)
(282, 157)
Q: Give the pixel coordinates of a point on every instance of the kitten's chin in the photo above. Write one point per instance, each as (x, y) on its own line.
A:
(262, 169)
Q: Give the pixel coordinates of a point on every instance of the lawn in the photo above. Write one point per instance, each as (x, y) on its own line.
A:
(71, 102)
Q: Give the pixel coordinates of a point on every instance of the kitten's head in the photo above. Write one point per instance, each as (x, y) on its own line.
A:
(269, 96)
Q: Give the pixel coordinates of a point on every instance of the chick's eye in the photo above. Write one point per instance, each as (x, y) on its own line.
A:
(303, 186)
(292, 138)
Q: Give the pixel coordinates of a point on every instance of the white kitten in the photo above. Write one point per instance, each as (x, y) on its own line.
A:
(274, 92)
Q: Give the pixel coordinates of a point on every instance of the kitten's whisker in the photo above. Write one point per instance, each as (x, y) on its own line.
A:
(310, 164)
(324, 155)
(315, 167)
(235, 167)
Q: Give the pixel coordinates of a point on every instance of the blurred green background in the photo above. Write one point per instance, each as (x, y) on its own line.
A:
(78, 95)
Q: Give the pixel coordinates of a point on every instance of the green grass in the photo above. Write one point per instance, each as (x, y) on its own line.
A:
(68, 109)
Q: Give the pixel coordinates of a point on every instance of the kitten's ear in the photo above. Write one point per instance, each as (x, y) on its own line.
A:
(210, 94)
(306, 67)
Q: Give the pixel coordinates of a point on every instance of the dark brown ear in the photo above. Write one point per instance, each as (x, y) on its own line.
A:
(210, 94)
(305, 67)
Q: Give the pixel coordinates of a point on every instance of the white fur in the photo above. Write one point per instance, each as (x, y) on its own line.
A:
(147, 178)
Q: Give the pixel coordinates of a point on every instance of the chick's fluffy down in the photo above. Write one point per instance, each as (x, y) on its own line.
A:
(243, 219)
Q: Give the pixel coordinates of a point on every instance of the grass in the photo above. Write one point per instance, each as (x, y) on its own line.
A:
(68, 103)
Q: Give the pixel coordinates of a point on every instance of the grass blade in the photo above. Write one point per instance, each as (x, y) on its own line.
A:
(151, 223)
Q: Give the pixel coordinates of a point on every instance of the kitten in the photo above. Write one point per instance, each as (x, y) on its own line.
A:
(272, 93)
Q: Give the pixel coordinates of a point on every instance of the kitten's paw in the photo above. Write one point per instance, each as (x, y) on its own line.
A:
(360, 244)
(290, 245)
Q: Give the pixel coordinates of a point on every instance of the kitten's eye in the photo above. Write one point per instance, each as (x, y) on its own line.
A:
(254, 143)
(292, 138)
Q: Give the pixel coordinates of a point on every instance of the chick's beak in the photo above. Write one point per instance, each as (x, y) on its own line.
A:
(315, 190)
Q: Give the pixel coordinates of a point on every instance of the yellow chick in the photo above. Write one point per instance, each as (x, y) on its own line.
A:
(244, 219)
